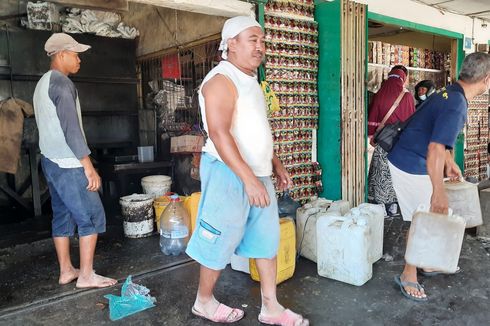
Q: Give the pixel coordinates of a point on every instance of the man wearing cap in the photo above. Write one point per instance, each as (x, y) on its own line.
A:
(71, 177)
(238, 207)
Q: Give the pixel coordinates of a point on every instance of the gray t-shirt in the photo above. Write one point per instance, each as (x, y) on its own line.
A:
(63, 94)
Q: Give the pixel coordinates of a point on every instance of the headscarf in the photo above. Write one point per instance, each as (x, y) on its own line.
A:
(384, 99)
(232, 28)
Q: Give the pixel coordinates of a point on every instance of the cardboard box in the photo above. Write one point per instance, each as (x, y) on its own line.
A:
(186, 144)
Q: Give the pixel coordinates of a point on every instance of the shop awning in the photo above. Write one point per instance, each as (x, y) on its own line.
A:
(472, 8)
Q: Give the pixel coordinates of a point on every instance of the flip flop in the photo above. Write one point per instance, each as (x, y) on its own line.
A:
(435, 273)
(286, 318)
(416, 285)
(223, 314)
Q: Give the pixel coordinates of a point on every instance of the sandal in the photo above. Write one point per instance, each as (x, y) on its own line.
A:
(223, 314)
(286, 318)
(435, 273)
(415, 285)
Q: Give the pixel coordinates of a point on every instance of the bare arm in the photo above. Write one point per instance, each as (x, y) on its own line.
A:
(92, 175)
(451, 169)
(436, 160)
(284, 180)
(220, 107)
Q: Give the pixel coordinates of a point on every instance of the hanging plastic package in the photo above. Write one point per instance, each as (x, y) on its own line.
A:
(286, 205)
(270, 98)
(134, 298)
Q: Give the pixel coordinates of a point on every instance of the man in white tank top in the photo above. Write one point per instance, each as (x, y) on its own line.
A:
(238, 208)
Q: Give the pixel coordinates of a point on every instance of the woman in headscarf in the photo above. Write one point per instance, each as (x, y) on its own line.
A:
(423, 90)
(380, 188)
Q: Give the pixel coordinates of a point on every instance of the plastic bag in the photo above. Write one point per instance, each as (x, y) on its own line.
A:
(270, 98)
(286, 205)
(134, 298)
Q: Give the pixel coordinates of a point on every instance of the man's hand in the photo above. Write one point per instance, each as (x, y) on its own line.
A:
(439, 202)
(257, 193)
(451, 169)
(94, 181)
(284, 180)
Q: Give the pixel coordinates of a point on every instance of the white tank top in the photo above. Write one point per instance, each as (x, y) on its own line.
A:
(250, 127)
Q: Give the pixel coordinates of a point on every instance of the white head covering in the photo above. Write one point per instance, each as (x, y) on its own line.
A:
(232, 28)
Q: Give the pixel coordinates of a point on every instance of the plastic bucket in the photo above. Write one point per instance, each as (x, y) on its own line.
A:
(156, 185)
(137, 215)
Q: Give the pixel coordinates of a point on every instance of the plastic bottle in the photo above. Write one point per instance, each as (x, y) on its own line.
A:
(174, 228)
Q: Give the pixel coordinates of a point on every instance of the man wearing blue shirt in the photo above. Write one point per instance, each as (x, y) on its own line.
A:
(422, 157)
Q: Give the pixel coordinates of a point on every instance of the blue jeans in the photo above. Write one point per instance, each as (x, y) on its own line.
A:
(73, 205)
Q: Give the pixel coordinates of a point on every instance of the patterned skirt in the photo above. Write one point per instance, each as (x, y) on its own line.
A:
(380, 186)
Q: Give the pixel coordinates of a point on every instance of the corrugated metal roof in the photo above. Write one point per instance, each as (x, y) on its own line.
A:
(473, 8)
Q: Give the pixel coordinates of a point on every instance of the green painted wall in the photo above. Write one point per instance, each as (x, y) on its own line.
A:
(459, 146)
(327, 14)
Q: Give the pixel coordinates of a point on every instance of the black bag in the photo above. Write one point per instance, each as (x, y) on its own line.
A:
(286, 205)
(387, 136)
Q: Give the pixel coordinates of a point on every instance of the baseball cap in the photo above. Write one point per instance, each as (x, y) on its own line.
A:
(232, 28)
(61, 41)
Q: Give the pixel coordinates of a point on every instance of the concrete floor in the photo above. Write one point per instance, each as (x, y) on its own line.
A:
(29, 294)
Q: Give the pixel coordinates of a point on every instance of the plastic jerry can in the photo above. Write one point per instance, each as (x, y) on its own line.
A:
(464, 201)
(435, 240)
(341, 206)
(241, 264)
(286, 255)
(306, 217)
(375, 215)
(343, 249)
(191, 204)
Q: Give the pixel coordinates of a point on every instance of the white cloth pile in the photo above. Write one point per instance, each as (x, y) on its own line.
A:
(101, 23)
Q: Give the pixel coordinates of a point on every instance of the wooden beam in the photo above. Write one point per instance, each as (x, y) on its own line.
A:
(225, 8)
(106, 5)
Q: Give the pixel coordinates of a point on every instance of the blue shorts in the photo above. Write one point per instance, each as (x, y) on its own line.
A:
(226, 222)
(73, 205)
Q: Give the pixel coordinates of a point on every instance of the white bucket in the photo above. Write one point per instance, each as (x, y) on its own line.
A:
(156, 185)
(137, 212)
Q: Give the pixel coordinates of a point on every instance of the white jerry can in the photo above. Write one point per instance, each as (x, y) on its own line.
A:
(343, 249)
(435, 241)
(341, 206)
(241, 264)
(306, 217)
(464, 200)
(375, 215)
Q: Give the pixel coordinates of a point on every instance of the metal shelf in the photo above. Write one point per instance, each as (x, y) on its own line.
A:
(409, 68)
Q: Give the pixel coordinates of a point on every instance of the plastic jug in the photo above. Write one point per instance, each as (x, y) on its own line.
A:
(239, 263)
(375, 214)
(343, 249)
(341, 206)
(435, 240)
(286, 255)
(464, 201)
(306, 217)
(174, 228)
(191, 204)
